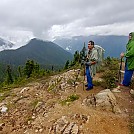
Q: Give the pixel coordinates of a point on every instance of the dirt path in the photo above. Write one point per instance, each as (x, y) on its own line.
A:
(34, 110)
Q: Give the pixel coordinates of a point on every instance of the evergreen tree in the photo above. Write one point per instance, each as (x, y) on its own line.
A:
(72, 63)
(66, 65)
(52, 68)
(9, 78)
(28, 69)
(36, 68)
(83, 53)
(19, 70)
(76, 57)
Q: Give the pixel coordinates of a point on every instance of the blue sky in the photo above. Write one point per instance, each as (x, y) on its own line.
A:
(48, 19)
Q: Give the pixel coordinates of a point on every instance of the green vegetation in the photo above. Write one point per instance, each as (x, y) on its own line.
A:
(97, 83)
(70, 99)
(75, 62)
(4, 95)
(14, 76)
(110, 72)
(35, 103)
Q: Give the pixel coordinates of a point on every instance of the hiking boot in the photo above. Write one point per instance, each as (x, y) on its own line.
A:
(86, 85)
(121, 86)
(89, 88)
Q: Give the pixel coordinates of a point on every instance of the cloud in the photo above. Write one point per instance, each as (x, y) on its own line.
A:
(47, 19)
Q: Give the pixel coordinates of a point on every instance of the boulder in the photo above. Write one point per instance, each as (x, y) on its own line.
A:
(104, 100)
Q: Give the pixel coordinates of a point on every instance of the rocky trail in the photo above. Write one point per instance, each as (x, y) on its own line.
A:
(59, 105)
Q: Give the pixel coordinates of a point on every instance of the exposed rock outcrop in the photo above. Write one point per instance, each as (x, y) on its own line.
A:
(104, 100)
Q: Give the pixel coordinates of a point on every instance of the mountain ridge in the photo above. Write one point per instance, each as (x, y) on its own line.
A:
(112, 44)
(41, 51)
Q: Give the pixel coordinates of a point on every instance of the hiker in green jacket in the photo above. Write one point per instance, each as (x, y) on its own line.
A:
(129, 64)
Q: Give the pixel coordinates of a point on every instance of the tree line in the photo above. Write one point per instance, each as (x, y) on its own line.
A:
(14, 75)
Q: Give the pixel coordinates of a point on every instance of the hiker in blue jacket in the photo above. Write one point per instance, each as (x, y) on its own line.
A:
(91, 63)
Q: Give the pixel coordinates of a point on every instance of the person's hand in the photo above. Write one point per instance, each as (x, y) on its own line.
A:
(93, 62)
(122, 55)
(87, 63)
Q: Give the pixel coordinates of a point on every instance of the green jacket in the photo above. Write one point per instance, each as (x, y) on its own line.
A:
(130, 53)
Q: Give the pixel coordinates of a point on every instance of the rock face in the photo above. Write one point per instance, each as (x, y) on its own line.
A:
(62, 125)
(67, 79)
(69, 125)
(104, 100)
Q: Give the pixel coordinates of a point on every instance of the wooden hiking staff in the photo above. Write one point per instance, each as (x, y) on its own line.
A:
(83, 75)
(119, 77)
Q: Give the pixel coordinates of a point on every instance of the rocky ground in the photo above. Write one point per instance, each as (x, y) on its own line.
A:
(61, 105)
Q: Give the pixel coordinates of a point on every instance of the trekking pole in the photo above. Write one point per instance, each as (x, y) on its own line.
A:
(119, 77)
(83, 58)
(83, 77)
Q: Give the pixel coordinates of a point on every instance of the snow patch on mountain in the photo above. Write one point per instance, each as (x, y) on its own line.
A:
(4, 44)
(68, 48)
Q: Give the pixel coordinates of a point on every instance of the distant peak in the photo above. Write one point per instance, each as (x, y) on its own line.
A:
(37, 39)
(34, 39)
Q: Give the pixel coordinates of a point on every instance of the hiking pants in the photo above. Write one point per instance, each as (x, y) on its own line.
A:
(89, 78)
(127, 76)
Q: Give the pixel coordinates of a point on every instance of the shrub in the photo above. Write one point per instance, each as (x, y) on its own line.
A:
(70, 99)
(109, 77)
(97, 83)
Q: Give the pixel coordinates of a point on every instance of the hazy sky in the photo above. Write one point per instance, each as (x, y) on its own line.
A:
(46, 19)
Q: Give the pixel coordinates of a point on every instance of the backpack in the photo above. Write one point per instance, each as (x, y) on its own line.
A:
(100, 51)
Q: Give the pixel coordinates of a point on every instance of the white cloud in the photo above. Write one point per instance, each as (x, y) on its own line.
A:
(47, 19)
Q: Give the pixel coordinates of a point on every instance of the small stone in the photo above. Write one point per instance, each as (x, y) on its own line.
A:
(29, 122)
(75, 129)
(116, 90)
(36, 131)
(33, 117)
(4, 109)
(132, 91)
(40, 130)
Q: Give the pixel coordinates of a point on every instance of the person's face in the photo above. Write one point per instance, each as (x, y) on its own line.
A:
(90, 47)
(130, 37)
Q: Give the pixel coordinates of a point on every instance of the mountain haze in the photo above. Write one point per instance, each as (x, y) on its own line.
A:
(42, 52)
(4, 44)
(112, 44)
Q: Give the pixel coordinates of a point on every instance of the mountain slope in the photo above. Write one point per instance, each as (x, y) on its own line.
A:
(40, 51)
(113, 45)
(4, 44)
(34, 109)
